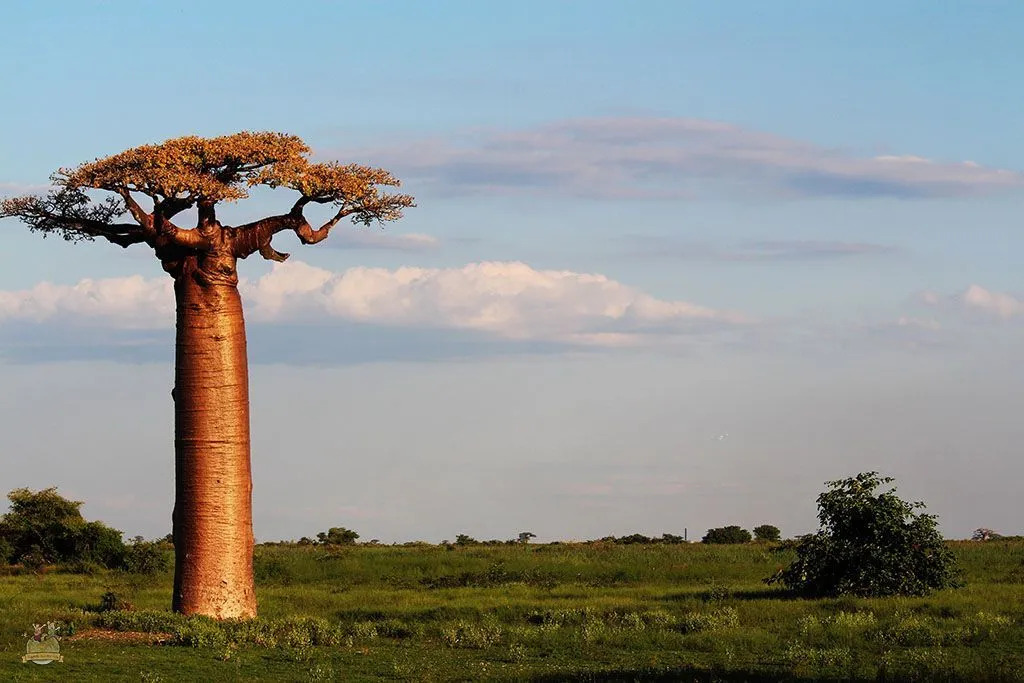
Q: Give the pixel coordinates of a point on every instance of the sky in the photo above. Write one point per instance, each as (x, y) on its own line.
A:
(673, 265)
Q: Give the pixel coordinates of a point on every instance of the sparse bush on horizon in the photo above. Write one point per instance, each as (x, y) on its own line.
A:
(337, 536)
(767, 532)
(727, 534)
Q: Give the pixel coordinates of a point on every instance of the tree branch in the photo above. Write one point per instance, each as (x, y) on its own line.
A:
(70, 215)
(256, 236)
(138, 213)
(180, 237)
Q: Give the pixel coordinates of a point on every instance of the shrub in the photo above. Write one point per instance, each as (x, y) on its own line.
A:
(272, 569)
(142, 557)
(767, 532)
(43, 527)
(6, 550)
(112, 602)
(727, 534)
(199, 632)
(633, 539)
(870, 544)
(983, 534)
(33, 561)
(336, 536)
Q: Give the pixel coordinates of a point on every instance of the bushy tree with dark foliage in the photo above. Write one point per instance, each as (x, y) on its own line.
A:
(43, 527)
(767, 532)
(727, 534)
(871, 543)
(337, 535)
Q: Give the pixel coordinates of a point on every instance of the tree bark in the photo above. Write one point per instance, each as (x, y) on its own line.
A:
(213, 539)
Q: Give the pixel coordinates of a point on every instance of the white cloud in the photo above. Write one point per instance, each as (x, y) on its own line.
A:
(1004, 306)
(507, 300)
(975, 302)
(673, 157)
(913, 322)
(128, 302)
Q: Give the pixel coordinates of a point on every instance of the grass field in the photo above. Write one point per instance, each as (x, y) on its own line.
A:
(537, 612)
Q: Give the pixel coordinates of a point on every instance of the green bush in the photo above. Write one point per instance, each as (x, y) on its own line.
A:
(142, 557)
(6, 551)
(727, 534)
(767, 532)
(337, 536)
(870, 544)
(45, 528)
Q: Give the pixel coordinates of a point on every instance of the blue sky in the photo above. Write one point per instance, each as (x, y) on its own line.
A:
(641, 226)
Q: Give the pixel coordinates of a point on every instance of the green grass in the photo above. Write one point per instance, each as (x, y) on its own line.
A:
(540, 612)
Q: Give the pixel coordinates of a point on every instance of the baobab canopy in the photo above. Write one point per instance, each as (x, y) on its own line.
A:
(151, 185)
(191, 171)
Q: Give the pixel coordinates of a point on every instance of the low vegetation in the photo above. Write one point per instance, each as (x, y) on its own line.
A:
(618, 608)
(564, 611)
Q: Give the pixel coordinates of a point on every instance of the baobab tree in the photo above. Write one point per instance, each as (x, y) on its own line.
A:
(150, 186)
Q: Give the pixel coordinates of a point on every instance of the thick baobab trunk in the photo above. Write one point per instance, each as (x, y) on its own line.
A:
(213, 539)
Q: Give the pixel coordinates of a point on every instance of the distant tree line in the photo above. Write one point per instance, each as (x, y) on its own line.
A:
(985, 534)
(736, 534)
(870, 542)
(340, 536)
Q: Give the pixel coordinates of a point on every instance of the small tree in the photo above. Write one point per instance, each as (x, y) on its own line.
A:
(983, 534)
(767, 532)
(463, 539)
(869, 544)
(337, 536)
(525, 536)
(45, 527)
(727, 534)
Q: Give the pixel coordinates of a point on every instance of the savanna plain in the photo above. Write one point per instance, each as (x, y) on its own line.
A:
(561, 611)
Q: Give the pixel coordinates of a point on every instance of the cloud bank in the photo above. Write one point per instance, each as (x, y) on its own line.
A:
(997, 304)
(976, 302)
(638, 157)
(503, 300)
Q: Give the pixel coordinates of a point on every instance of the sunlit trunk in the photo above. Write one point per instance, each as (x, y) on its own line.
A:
(213, 539)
